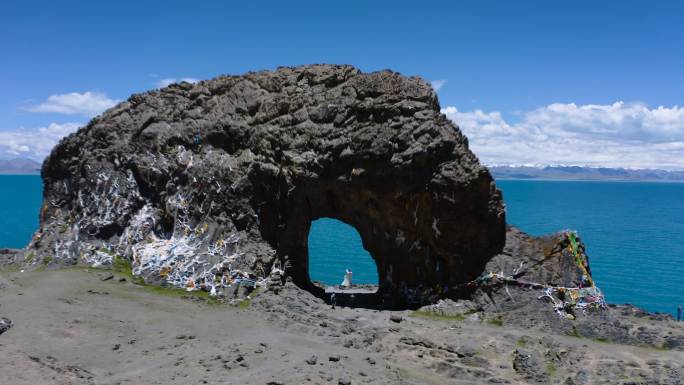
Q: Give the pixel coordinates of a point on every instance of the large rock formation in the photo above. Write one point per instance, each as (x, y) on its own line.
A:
(195, 181)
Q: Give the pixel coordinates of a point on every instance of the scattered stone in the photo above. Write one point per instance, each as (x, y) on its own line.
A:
(185, 337)
(107, 277)
(396, 318)
(344, 381)
(334, 358)
(90, 291)
(417, 341)
(529, 365)
(312, 360)
(5, 324)
(116, 347)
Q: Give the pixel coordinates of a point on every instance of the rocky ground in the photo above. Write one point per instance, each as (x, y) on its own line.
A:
(88, 326)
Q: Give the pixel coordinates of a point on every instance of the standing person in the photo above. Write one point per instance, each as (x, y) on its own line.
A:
(332, 300)
(679, 313)
(347, 281)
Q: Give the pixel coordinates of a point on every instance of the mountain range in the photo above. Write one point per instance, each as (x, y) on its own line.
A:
(585, 173)
(23, 166)
(19, 166)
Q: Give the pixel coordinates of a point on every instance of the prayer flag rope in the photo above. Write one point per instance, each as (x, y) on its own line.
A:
(565, 300)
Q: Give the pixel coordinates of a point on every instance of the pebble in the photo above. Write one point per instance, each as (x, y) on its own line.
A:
(312, 360)
(5, 324)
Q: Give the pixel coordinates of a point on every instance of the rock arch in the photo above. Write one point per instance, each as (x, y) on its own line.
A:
(422, 236)
(237, 168)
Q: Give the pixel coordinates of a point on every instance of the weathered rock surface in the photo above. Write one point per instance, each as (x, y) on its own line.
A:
(10, 257)
(548, 262)
(224, 177)
(5, 324)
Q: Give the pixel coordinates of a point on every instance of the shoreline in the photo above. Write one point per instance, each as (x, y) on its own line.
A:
(592, 180)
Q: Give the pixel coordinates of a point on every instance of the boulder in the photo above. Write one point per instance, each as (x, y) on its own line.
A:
(194, 182)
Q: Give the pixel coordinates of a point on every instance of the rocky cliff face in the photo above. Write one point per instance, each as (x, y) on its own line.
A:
(195, 182)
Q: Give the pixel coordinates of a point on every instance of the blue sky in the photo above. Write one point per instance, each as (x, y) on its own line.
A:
(520, 78)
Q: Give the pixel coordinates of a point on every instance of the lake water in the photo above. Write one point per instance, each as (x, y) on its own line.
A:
(634, 233)
(20, 200)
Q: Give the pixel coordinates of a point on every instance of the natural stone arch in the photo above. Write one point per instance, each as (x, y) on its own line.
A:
(232, 171)
(424, 237)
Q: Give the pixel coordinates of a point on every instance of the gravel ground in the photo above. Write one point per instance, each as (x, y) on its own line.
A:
(71, 327)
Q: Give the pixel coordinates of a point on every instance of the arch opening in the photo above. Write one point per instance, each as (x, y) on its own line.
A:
(334, 247)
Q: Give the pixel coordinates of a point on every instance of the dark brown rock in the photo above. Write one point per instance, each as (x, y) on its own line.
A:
(229, 173)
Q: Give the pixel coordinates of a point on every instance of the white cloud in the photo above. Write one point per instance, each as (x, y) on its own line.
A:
(168, 81)
(438, 84)
(86, 104)
(33, 143)
(613, 135)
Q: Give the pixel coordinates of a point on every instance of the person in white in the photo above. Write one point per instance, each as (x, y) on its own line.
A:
(347, 282)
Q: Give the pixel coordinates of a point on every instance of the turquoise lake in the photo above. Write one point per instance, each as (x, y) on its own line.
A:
(634, 233)
(20, 200)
